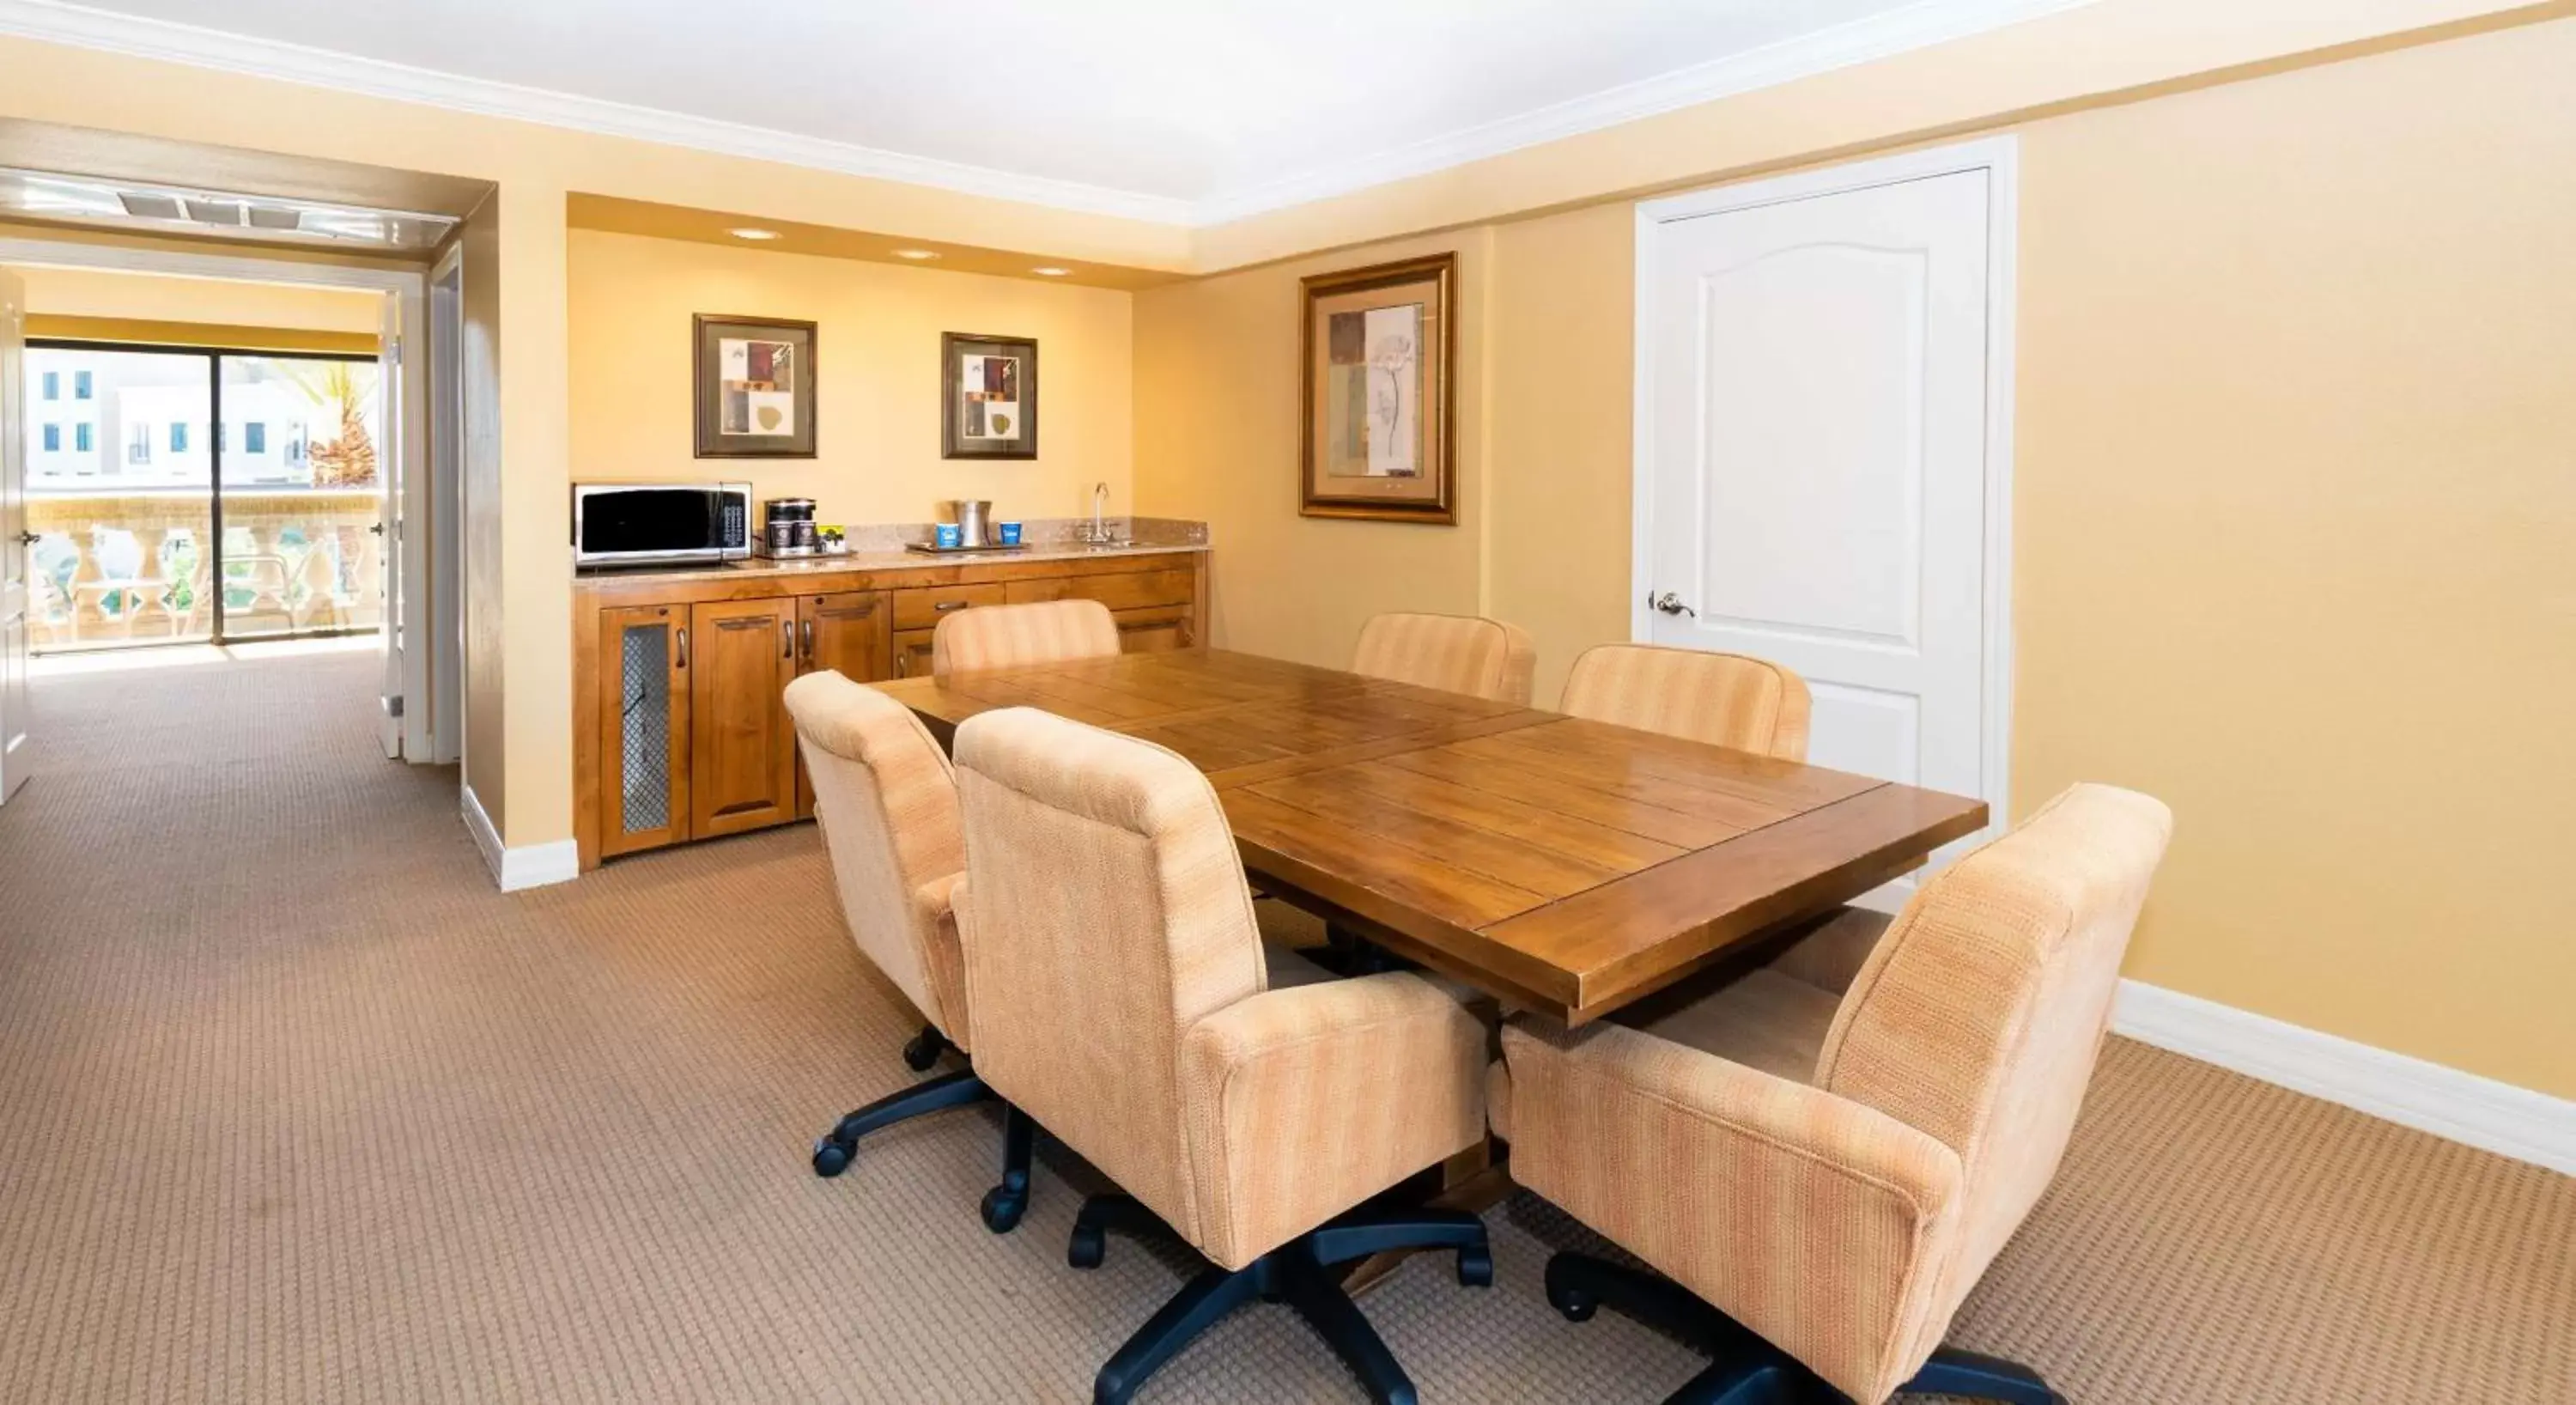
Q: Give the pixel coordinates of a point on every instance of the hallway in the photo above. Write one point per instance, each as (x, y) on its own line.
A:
(300, 1108)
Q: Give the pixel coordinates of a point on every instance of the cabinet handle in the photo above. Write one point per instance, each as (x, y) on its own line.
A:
(944, 606)
(684, 646)
(787, 639)
(809, 641)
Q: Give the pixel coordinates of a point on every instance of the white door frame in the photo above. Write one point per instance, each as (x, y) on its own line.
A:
(402, 283)
(1999, 157)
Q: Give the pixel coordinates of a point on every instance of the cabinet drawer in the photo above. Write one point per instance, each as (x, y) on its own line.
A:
(1123, 590)
(1154, 628)
(925, 606)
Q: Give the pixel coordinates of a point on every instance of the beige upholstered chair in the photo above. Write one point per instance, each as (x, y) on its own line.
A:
(1453, 653)
(887, 806)
(1729, 700)
(1015, 636)
(1122, 1000)
(1836, 1174)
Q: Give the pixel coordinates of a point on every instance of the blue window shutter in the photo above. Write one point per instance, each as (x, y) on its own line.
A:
(53, 438)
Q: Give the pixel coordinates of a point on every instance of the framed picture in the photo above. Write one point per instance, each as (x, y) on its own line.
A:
(989, 386)
(755, 387)
(1379, 351)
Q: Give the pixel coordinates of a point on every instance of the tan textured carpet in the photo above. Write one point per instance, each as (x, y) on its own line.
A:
(298, 1108)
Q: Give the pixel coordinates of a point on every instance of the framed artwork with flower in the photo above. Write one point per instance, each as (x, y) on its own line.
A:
(1379, 351)
(755, 387)
(989, 391)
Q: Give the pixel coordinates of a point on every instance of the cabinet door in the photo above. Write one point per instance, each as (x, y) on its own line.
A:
(742, 751)
(850, 633)
(643, 725)
(912, 653)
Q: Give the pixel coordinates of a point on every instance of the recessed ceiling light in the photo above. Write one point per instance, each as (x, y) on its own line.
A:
(1051, 271)
(753, 233)
(916, 255)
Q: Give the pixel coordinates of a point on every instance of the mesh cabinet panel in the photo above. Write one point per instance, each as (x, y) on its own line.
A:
(644, 674)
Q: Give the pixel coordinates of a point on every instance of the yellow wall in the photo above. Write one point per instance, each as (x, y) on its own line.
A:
(2295, 494)
(487, 658)
(1216, 439)
(103, 297)
(2296, 498)
(878, 348)
(2018, 72)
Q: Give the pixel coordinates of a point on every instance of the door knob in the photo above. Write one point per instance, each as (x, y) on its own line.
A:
(28, 539)
(1671, 604)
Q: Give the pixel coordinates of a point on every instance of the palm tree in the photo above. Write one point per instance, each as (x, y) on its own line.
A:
(348, 461)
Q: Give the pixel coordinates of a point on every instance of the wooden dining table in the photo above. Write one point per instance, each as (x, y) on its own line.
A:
(1562, 865)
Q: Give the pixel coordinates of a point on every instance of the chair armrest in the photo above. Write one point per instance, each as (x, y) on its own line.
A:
(1764, 1196)
(1301, 1102)
(938, 911)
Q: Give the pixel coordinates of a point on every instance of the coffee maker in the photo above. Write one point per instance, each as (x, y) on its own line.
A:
(787, 528)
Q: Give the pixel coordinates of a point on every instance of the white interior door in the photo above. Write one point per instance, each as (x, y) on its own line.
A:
(389, 521)
(17, 751)
(1816, 482)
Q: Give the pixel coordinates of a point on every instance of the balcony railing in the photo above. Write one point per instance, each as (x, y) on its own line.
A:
(113, 568)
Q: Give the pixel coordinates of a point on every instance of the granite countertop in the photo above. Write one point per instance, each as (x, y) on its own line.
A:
(881, 549)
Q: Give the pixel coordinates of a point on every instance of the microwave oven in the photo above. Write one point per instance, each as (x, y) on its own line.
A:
(660, 524)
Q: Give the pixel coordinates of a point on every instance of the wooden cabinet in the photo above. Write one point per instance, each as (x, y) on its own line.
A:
(851, 633)
(846, 632)
(640, 783)
(742, 750)
(680, 730)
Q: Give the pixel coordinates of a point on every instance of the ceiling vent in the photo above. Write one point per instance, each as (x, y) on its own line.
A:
(174, 210)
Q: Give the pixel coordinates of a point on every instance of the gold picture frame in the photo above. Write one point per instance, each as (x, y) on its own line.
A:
(1378, 351)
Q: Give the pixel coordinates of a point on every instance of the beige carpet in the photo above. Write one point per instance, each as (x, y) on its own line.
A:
(298, 1108)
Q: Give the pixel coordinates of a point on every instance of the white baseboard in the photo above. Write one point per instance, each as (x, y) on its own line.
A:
(2463, 1107)
(529, 865)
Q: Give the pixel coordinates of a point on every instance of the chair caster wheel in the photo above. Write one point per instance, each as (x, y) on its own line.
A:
(922, 1051)
(1089, 1246)
(1003, 1208)
(1575, 1304)
(1476, 1268)
(831, 1158)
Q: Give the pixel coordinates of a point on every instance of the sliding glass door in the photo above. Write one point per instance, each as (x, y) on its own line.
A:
(185, 495)
(300, 496)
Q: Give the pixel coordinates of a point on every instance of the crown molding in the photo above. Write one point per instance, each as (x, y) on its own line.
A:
(1915, 26)
(81, 27)
(1847, 45)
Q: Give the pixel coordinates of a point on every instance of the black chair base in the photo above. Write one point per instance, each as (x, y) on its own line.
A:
(1748, 1370)
(1297, 1273)
(832, 1154)
(1005, 1203)
(925, 1049)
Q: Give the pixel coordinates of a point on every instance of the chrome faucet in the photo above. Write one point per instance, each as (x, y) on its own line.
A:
(1099, 511)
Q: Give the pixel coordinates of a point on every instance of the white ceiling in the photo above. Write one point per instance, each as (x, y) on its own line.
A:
(1192, 111)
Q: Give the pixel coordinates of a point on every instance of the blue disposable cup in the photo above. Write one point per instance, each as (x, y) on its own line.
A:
(949, 536)
(1010, 534)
